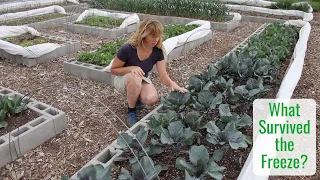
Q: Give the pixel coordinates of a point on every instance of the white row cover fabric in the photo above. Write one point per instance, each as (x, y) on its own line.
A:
(286, 89)
(35, 3)
(177, 41)
(197, 33)
(262, 3)
(28, 52)
(306, 16)
(33, 12)
(128, 18)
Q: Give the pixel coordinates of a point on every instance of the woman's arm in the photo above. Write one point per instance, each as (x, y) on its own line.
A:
(118, 69)
(165, 79)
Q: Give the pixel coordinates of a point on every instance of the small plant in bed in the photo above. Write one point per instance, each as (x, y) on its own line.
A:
(101, 21)
(171, 30)
(32, 19)
(103, 55)
(10, 107)
(28, 39)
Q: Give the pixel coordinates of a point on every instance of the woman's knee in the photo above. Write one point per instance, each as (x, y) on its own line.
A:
(150, 99)
(133, 80)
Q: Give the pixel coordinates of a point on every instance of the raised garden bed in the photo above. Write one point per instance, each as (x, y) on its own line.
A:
(91, 65)
(68, 6)
(27, 40)
(32, 124)
(180, 12)
(105, 25)
(30, 40)
(42, 21)
(212, 121)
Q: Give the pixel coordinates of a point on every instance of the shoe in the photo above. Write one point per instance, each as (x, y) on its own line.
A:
(139, 104)
(131, 118)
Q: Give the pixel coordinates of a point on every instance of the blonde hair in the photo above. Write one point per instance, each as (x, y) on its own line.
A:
(148, 26)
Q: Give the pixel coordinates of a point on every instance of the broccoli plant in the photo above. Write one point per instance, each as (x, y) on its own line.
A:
(175, 101)
(201, 165)
(177, 135)
(126, 141)
(193, 120)
(144, 171)
(10, 106)
(226, 116)
(252, 90)
(93, 172)
(207, 101)
(156, 121)
(229, 136)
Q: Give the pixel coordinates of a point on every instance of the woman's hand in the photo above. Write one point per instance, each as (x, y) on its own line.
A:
(174, 86)
(137, 71)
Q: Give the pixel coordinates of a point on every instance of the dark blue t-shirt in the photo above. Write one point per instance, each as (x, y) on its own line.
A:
(128, 54)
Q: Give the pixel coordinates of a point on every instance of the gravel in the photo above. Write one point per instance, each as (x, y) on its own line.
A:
(91, 127)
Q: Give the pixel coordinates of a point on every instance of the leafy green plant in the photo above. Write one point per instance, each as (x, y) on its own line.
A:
(229, 136)
(10, 106)
(204, 9)
(207, 101)
(147, 172)
(202, 166)
(101, 21)
(161, 120)
(175, 101)
(193, 119)
(288, 4)
(171, 30)
(103, 55)
(126, 141)
(177, 135)
(227, 116)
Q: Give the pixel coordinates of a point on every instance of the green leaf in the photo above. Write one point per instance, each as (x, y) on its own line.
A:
(188, 177)
(199, 156)
(97, 172)
(212, 128)
(3, 124)
(183, 165)
(195, 83)
(236, 138)
(208, 85)
(218, 155)
(124, 175)
(124, 139)
(64, 178)
(244, 121)
(142, 136)
(152, 150)
(248, 139)
(215, 171)
(224, 110)
(176, 130)
(165, 137)
(190, 135)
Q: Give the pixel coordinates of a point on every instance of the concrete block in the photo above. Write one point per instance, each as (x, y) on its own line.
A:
(88, 71)
(68, 47)
(50, 122)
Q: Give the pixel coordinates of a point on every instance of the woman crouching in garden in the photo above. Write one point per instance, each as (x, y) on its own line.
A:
(132, 64)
